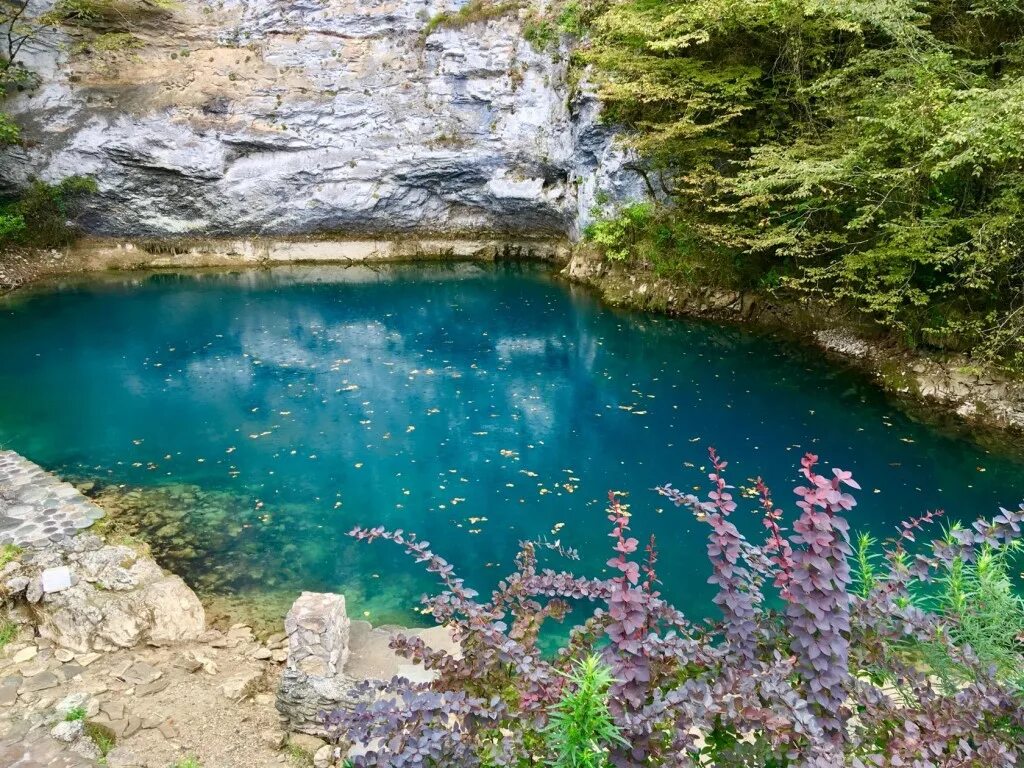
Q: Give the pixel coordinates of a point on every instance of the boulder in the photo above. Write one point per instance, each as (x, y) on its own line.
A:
(120, 600)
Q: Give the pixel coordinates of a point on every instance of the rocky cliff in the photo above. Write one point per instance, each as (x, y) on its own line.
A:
(297, 116)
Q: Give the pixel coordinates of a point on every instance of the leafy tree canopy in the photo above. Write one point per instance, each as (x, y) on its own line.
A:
(866, 152)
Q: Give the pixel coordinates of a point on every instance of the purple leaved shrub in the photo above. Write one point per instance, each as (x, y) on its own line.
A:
(832, 679)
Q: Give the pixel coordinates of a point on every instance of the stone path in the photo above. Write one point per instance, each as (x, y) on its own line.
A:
(37, 508)
(211, 698)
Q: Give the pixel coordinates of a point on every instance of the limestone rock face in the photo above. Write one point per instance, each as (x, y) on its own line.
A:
(119, 600)
(290, 116)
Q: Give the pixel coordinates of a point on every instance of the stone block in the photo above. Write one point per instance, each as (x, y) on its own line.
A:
(313, 681)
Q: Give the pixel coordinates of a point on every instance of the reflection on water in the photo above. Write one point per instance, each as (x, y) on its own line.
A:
(248, 420)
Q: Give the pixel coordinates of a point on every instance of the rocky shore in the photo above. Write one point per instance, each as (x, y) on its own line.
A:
(936, 387)
(105, 659)
(20, 268)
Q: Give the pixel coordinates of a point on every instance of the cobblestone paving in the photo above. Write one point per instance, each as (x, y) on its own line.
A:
(36, 507)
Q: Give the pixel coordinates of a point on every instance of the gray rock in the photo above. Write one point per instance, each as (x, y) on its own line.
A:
(68, 730)
(306, 742)
(313, 680)
(242, 686)
(41, 682)
(136, 602)
(140, 673)
(9, 690)
(339, 119)
(80, 700)
(324, 757)
(16, 585)
(34, 591)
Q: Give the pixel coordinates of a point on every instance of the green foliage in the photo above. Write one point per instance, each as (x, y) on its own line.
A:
(580, 727)
(40, 217)
(870, 152)
(188, 762)
(9, 131)
(619, 235)
(540, 33)
(979, 601)
(9, 553)
(118, 14)
(76, 713)
(658, 238)
(865, 570)
(109, 42)
(102, 736)
(471, 13)
(8, 631)
(571, 18)
(298, 756)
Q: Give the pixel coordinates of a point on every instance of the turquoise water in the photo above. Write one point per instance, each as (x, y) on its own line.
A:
(251, 418)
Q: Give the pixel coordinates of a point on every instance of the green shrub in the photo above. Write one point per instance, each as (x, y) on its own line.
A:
(572, 19)
(107, 13)
(102, 736)
(76, 713)
(870, 152)
(40, 217)
(9, 553)
(471, 13)
(979, 601)
(540, 33)
(109, 42)
(580, 729)
(618, 236)
(9, 131)
(8, 631)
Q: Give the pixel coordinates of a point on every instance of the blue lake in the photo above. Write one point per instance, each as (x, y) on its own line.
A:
(243, 422)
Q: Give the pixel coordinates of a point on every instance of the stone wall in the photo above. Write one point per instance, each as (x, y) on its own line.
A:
(81, 593)
(295, 116)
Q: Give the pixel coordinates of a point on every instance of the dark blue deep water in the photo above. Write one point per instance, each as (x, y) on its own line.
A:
(245, 421)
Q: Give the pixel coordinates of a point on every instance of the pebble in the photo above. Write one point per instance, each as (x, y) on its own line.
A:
(273, 739)
(167, 730)
(63, 655)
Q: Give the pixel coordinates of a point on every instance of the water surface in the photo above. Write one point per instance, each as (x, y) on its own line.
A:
(249, 419)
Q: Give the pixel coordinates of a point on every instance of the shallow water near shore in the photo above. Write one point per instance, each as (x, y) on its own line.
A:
(242, 422)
